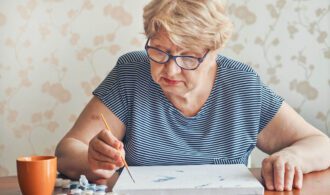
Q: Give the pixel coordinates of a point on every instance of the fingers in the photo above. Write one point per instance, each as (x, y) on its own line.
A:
(104, 153)
(100, 161)
(280, 174)
(100, 182)
(105, 149)
(109, 138)
(298, 178)
(267, 173)
(95, 165)
(99, 156)
(289, 176)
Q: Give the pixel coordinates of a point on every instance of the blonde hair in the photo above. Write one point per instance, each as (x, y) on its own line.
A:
(190, 24)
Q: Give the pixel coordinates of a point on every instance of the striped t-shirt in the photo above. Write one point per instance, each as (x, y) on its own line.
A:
(224, 131)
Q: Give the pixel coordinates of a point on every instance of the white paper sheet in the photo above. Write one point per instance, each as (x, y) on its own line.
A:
(189, 179)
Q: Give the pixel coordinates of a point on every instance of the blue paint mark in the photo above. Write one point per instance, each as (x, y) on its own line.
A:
(164, 178)
(202, 186)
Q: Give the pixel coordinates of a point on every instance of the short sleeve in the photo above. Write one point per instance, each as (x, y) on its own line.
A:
(112, 93)
(270, 104)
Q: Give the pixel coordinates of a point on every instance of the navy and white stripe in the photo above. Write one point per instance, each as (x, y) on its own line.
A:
(223, 132)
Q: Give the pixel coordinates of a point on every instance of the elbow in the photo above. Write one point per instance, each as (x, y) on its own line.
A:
(64, 166)
(58, 152)
(327, 140)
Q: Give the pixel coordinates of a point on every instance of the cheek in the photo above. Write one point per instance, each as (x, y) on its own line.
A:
(191, 80)
(155, 71)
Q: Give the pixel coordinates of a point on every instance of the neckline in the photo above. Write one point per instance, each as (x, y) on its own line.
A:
(203, 109)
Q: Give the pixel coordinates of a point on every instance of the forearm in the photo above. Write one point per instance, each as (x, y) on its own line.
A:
(73, 162)
(313, 153)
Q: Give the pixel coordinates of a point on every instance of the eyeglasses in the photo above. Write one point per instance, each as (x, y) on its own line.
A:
(162, 57)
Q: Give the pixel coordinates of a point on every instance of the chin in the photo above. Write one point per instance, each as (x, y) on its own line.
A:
(172, 90)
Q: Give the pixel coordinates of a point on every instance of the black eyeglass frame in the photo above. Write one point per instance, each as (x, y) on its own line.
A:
(170, 56)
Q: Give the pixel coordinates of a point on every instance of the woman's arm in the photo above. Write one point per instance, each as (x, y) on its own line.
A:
(88, 143)
(295, 147)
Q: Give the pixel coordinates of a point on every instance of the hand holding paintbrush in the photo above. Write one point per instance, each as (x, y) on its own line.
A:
(105, 153)
(122, 158)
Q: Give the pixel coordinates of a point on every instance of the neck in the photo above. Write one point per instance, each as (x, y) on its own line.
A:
(188, 107)
(191, 103)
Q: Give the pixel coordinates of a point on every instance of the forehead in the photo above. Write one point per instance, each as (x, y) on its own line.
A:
(161, 39)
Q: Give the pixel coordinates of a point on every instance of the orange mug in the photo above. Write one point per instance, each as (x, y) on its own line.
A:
(36, 174)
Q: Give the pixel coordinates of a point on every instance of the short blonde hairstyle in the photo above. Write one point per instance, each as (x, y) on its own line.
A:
(190, 24)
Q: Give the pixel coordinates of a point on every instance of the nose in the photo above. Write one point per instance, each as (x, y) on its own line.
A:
(172, 68)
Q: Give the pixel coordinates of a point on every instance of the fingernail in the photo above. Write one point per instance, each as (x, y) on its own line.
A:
(287, 188)
(121, 163)
(270, 187)
(280, 188)
(118, 162)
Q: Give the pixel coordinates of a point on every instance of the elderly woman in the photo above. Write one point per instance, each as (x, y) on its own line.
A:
(179, 102)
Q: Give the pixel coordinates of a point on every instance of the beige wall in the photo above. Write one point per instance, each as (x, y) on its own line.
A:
(53, 53)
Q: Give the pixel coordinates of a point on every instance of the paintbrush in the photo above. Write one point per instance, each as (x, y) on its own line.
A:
(122, 158)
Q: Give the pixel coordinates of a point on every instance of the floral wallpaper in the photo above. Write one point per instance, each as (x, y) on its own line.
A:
(53, 53)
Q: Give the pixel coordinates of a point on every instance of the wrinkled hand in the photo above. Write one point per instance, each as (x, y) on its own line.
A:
(105, 151)
(281, 171)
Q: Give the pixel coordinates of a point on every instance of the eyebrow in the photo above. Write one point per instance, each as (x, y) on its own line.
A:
(157, 41)
(181, 51)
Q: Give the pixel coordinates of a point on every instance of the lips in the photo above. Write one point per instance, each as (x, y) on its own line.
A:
(170, 82)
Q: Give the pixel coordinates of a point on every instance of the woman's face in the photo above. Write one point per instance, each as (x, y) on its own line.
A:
(173, 79)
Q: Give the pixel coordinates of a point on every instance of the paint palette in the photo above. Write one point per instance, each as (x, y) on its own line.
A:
(189, 179)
